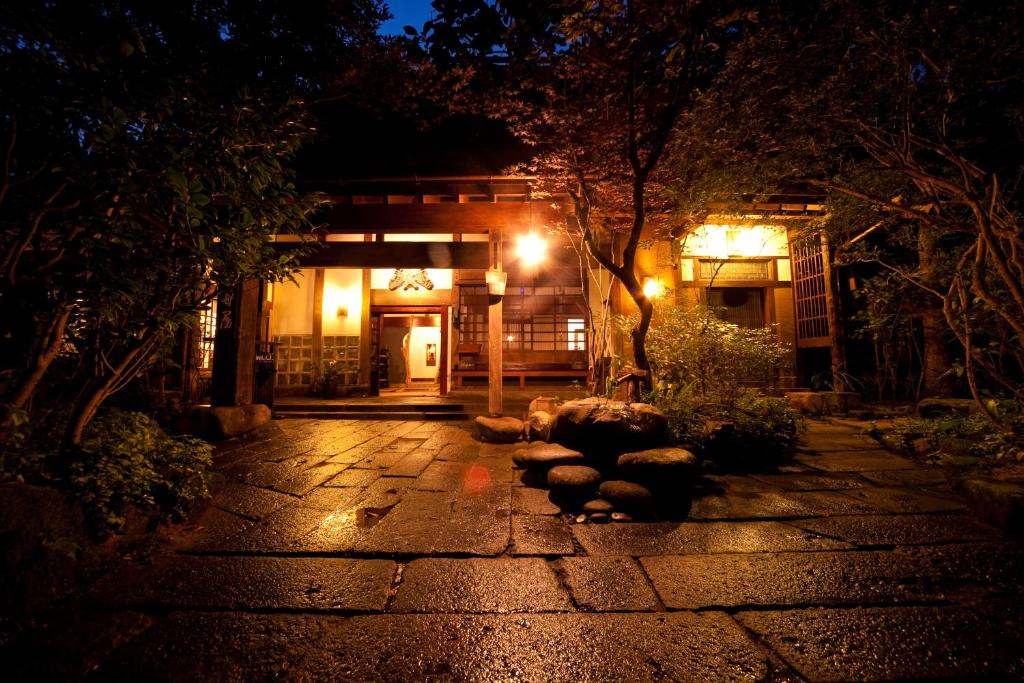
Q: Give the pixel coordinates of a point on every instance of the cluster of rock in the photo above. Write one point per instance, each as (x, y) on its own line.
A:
(601, 459)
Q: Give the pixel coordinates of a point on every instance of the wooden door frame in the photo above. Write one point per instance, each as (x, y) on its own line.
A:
(414, 309)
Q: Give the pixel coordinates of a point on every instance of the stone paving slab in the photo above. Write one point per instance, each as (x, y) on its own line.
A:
(530, 501)
(925, 476)
(891, 530)
(238, 582)
(250, 501)
(951, 643)
(830, 578)
(811, 482)
(905, 500)
(502, 585)
(855, 461)
(768, 505)
(679, 538)
(191, 646)
(607, 584)
(540, 535)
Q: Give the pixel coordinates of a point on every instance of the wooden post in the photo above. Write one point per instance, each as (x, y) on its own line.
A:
(833, 306)
(234, 351)
(494, 348)
(318, 322)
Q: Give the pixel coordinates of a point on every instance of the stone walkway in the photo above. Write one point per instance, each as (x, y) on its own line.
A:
(341, 550)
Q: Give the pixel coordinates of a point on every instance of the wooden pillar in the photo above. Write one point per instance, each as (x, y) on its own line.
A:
(234, 350)
(365, 362)
(833, 306)
(494, 346)
(318, 321)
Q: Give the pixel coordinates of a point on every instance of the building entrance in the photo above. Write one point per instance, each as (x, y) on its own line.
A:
(409, 348)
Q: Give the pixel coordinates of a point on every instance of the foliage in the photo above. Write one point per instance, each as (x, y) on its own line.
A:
(704, 369)
(126, 462)
(972, 434)
(752, 432)
(148, 159)
(694, 348)
(597, 89)
(908, 115)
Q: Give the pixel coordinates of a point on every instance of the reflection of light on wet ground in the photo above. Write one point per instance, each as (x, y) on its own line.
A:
(477, 479)
(339, 519)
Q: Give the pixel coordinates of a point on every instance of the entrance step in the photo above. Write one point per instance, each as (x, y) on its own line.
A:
(372, 411)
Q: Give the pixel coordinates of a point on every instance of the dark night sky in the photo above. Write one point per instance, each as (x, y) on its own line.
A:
(407, 13)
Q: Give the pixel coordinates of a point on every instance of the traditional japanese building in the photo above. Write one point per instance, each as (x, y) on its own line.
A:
(441, 282)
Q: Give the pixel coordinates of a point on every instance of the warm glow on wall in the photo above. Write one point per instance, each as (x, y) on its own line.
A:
(340, 302)
(531, 249)
(731, 241)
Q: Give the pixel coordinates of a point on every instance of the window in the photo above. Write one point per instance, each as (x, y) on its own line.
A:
(533, 318)
(207, 332)
(577, 335)
(743, 306)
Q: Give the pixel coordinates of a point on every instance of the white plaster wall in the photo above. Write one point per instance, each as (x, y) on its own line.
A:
(342, 287)
(293, 305)
(420, 337)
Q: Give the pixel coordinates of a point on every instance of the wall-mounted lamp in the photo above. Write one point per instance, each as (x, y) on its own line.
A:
(496, 280)
(652, 288)
(342, 311)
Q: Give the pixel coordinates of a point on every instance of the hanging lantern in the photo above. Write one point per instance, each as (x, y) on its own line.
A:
(496, 280)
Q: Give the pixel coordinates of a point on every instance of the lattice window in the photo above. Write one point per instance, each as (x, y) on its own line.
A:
(207, 335)
(809, 287)
(533, 318)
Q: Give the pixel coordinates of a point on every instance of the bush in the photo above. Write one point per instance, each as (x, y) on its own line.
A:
(972, 434)
(126, 461)
(703, 370)
(751, 432)
(694, 348)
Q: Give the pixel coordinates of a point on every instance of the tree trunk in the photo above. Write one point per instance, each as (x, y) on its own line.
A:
(936, 359)
(52, 339)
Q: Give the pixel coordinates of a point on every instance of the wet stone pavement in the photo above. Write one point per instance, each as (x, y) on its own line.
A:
(345, 550)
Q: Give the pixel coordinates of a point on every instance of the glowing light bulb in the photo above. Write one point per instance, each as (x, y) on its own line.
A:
(531, 249)
(652, 288)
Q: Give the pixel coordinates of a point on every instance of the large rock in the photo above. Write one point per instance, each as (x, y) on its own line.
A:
(499, 429)
(596, 425)
(538, 426)
(542, 456)
(659, 466)
(224, 422)
(628, 496)
(574, 482)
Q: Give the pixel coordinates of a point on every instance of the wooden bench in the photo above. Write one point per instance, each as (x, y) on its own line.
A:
(522, 374)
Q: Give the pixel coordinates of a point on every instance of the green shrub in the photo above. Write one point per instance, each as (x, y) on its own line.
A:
(703, 370)
(126, 461)
(972, 434)
(692, 347)
(750, 432)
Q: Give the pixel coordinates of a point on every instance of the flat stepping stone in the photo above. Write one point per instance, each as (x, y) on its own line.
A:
(541, 455)
(573, 481)
(627, 495)
(499, 429)
(598, 505)
(658, 465)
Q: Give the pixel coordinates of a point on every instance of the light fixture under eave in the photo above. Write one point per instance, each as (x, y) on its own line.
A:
(496, 280)
(531, 249)
(342, 311)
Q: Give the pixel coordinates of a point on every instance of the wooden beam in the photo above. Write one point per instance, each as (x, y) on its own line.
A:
(392, 254)
(473, 217)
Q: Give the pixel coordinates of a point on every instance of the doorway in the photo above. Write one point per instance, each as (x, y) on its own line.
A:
(409, 350)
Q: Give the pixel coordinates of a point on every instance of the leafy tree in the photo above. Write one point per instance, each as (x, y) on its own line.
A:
(597, 90)
(909, 115)
(147, 160)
